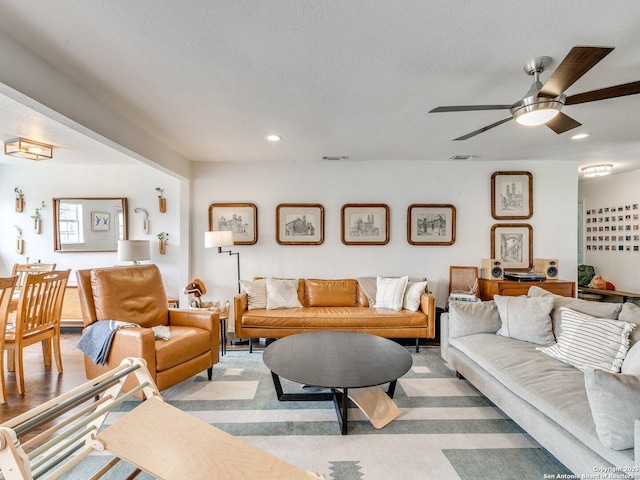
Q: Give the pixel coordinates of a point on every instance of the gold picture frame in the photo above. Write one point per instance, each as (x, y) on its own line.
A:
(431, 224)
(511, 195)
(513, 244)
(364, 224)
(240, 218)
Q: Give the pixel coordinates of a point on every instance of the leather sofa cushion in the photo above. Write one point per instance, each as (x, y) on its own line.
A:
(330, 293)
(333, 317)
(130, 294)
(185, 343)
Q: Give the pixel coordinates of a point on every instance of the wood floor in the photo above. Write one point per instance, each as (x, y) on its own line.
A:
(43, 383)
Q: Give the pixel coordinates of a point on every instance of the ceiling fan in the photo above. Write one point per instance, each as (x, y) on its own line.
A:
(542, 103)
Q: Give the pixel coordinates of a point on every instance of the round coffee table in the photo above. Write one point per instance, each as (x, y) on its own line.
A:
(341, 361)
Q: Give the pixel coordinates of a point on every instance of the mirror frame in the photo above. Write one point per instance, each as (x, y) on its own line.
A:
(57, 244)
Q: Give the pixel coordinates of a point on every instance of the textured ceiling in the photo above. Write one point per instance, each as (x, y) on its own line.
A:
(211, 79)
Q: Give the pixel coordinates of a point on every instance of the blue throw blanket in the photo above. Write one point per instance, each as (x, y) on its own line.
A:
(95, 343)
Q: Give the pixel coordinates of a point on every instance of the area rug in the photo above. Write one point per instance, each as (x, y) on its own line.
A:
(446, 429)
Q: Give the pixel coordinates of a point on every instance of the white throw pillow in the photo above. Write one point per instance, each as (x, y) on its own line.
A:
(390, 292)
(590, 342)
(526, 319)
(282, 293)
(412, 295)
(257, 293)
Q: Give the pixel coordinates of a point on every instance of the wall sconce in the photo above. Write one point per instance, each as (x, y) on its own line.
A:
(597, 170)
(222, 238)
(29, 149)
(134, 251)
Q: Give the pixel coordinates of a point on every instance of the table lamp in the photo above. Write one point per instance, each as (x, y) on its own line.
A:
(134, 251)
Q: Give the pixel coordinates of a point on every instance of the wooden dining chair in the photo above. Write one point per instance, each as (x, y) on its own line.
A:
(24, 269)
(7, 286)
(37, 319)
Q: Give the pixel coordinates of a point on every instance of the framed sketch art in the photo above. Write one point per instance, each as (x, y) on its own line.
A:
(240, 218)
(364, 224)
(511, 195)
(300, 224)
(513, 244)
(431, 224)
(100, 221)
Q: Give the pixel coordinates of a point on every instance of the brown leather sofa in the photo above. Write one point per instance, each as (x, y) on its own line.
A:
(136, 294)
(333, 305)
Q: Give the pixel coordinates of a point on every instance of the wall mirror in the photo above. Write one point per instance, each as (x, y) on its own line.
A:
(89, 224)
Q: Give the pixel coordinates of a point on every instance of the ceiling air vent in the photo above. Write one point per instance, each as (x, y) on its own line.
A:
(336, 157)
(461, 157)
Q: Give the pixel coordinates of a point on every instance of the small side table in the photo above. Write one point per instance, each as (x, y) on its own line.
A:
(223, 332)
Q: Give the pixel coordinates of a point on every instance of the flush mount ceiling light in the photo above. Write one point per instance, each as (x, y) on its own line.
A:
(580, 136)
(597, 170)
(274, 138)
(29, 149)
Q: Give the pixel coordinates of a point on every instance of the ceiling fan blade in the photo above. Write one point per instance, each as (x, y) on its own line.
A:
(483, 129)
(577, 62)
(468, 108)
(604, 93)
(562, 123)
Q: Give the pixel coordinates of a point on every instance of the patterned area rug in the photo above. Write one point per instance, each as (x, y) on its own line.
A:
(446, 429)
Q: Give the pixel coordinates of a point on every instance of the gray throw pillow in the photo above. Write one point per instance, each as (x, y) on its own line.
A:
(526, 319)
(468, 318)
(630, 313)
(615, 404)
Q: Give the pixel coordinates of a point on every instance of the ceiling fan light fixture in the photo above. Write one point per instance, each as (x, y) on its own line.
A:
(597, 170)
(533, 111)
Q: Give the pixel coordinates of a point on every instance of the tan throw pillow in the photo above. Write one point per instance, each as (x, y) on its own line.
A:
(526, 319)
(390, 292)
(257, 293)
(590, 342)
(412, 295)
(282, 293)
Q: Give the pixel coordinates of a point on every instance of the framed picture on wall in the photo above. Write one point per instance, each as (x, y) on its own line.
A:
(364, 224)
(100, 221)
(240, 218)
(513, 244)
(432, 224)
(299, 224)
(511, 195)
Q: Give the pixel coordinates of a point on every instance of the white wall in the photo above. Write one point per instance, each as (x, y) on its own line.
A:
(399, 184)
(46, 180)
(618, 267)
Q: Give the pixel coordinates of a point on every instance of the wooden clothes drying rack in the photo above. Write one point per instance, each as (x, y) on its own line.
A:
(155, 437)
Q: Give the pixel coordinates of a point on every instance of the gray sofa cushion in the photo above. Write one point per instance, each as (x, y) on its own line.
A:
(615, 404)
(525, 318)
(596, 309)
(467, 318)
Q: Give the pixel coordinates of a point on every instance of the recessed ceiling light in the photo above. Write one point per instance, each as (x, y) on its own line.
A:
(580, 136)
(274, 138)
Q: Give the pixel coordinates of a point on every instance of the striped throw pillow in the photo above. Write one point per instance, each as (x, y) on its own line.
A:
(257, 293)
(390, 292)
(591, 342)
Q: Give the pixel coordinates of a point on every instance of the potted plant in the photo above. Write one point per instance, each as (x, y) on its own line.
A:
(19, 199)
(145, 219)
(36, 218)
(163, 238)
(162, 202)
(19, 240)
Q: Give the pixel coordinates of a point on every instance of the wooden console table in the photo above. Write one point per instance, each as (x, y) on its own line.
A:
(487, 288)
(625, 296)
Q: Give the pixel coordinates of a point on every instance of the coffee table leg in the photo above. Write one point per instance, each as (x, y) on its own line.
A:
(341, 404)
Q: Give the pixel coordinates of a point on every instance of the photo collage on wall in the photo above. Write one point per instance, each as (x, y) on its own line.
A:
(613, 229)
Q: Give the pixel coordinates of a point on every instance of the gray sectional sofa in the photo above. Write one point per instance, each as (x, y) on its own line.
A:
(545, 396)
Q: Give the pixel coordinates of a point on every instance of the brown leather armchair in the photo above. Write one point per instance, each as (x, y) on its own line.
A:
(136, 294)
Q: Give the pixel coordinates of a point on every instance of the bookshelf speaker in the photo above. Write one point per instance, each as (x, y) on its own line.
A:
(492, 269)
(546, 266)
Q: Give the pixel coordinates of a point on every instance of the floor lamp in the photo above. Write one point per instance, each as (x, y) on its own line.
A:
(224, 238)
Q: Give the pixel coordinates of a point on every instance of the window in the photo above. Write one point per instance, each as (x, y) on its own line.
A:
(70, 223)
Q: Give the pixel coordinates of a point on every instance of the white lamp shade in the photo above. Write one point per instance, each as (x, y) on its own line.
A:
(221, 238)
(133, 250)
